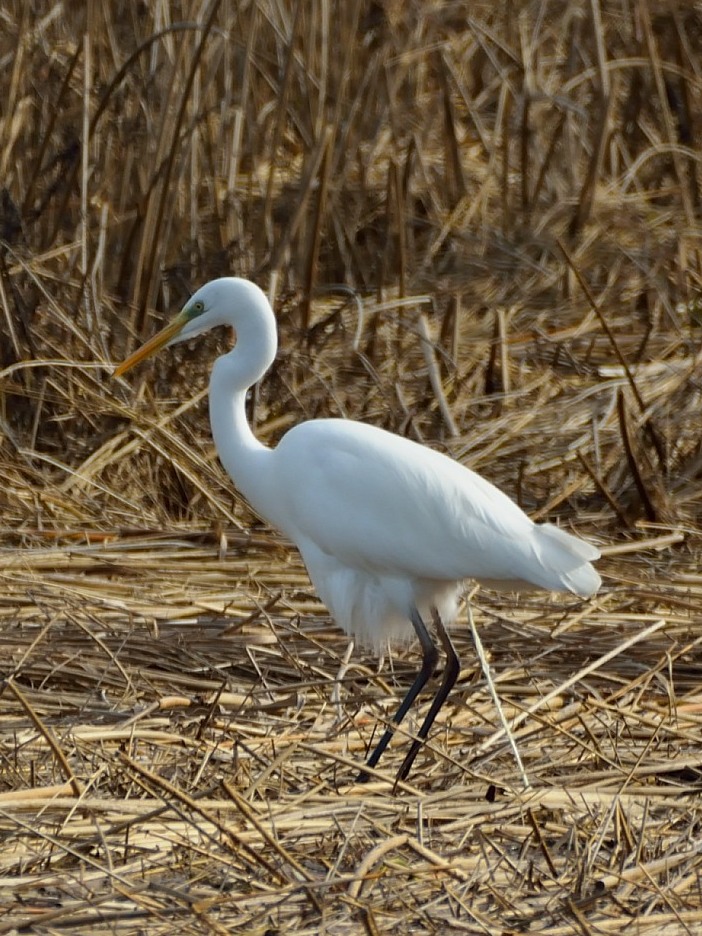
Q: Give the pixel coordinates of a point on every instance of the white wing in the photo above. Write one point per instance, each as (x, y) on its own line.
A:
(387, 505)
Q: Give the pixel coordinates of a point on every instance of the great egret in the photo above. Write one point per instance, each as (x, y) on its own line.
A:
(387, 528)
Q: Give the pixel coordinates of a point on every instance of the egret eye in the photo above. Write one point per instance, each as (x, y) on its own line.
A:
(197, 308)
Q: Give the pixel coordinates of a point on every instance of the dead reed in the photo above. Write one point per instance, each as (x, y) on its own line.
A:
(481, 224)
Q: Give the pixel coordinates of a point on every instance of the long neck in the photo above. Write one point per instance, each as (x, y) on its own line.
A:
(244, 458)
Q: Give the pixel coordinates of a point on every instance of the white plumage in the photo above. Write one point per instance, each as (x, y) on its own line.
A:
(388, 529)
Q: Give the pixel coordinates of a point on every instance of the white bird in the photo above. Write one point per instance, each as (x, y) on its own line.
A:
(388, 528)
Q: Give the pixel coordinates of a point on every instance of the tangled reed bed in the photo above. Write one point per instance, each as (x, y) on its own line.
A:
(510, 197)
(182, 733)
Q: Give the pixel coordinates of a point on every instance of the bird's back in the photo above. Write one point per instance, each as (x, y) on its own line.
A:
(385, 506)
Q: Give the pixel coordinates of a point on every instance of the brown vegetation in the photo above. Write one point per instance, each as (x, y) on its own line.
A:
(509, 195)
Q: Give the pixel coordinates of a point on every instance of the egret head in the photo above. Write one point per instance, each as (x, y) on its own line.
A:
(220, 302)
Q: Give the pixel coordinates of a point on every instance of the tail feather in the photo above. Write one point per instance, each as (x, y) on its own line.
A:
(584, 581)
(577, 547)
(565, 561)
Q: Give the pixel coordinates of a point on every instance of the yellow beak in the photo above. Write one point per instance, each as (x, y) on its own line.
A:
(152, 345)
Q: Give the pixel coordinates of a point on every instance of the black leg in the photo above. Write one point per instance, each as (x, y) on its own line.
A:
(451, 671)
(430, 656)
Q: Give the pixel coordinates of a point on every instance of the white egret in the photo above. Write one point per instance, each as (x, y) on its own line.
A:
(387, 528)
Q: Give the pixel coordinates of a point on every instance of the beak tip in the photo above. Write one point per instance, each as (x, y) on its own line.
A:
(153, 345)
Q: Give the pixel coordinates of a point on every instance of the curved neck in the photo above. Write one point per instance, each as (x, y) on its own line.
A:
(255, 349)
(241, 453)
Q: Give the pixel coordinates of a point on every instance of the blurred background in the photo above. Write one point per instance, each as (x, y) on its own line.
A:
(479, 224)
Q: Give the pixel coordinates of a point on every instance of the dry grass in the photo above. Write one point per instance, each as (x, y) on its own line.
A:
(513, 192)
